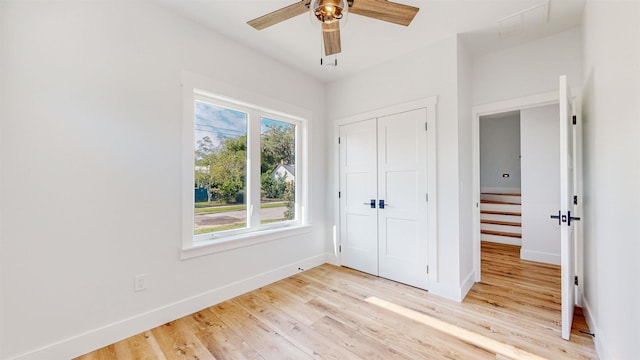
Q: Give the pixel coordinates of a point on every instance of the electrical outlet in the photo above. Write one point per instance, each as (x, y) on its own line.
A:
(139, 282)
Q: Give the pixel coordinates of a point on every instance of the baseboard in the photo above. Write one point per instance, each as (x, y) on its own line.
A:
(122, 329)
(539, 256)
(467, 284)
(593, 327)
(455, 293)
(333, 259)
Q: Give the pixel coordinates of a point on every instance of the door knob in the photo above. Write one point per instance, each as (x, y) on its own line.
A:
(571, 218)
(372, 203)
(565, 218)
(381, 204)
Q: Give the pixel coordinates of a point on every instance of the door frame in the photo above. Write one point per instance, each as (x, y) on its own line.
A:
(430, 103)
(522, 103)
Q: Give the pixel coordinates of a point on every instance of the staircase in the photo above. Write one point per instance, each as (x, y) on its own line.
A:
(500, 218)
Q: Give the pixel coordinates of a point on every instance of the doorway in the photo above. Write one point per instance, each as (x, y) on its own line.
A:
(519, 181)
(569, 160)
(510, 107)
(500, 178)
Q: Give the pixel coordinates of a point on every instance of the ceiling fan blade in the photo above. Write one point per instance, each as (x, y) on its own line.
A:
(277, 16)
(385, 10)
(331, 38)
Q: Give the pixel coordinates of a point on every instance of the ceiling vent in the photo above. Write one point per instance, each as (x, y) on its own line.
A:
(525, 19)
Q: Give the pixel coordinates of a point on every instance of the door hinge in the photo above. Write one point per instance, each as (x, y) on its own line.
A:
(575, 199)
(427, 269)
(575, 120)
(340, 248)
(338, 140)
(426, 126)
(427, 197)
(575, 280)
(339, 194)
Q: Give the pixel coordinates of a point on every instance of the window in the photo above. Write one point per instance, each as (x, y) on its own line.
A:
(220, 168)
(277, 171)
(245, 173)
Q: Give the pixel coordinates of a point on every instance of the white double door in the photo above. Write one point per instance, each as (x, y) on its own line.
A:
(383, 202)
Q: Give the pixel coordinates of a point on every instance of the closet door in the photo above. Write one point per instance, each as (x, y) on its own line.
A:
(402, 186)
(383, 202)
(358, 176)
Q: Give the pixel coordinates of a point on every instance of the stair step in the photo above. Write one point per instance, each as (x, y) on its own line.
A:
(500, 206)
(501, 213)
(498, 202)
(500, 217)
(502, 239)
(500, 228)
(496, 222)
(501, 194)
(501, 233)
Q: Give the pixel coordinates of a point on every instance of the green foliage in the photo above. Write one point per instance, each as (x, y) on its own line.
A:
(222, 169)
(273, 188)
(211, 229)
(290, 199)
(277, 146)
(220, 166)
(202, 163)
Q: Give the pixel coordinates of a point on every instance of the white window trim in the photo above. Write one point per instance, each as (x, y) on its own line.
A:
(196, 86)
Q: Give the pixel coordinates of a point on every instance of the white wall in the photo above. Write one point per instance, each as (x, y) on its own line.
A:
(611, 113)
(427, 72)
(540, 146)
(465, 170)
(500, 153)
(90, 148)
(528, 69)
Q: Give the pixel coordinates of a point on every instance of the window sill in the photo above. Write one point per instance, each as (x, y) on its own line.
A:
(227, 243)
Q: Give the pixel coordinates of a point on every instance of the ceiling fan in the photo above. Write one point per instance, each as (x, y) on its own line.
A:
(330, 12)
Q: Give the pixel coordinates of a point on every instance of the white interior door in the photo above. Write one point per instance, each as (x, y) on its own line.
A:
(567, 207)
(402, 203)
(358, 177)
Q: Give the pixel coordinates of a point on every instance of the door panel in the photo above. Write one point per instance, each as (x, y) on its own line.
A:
(567, 179)
(402, 184)
(403, 200)
(404, 231)
(358, 221)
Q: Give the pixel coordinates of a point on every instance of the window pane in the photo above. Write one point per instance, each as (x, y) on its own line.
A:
(278, 171)
(220, 168)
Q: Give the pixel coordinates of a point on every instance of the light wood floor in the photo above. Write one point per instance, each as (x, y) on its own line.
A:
(328, 313)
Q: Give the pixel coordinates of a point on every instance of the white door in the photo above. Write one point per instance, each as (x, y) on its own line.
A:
(383, 205)
(402, 203)
(358, 177)
(567, 208)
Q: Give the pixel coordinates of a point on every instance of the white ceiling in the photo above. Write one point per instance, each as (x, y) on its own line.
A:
(367, 42)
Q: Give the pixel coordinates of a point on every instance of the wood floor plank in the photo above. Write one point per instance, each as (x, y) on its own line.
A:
(221, 341)
(177, 342)
(105, 353)
(326, 312)
(267, 342)
(302, 336)
(142, 346)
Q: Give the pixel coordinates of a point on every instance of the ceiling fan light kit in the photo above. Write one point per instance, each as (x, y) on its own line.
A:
(327, 11)
(332, 15)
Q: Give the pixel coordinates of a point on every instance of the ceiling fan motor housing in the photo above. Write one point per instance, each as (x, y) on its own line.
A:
(328, 11)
